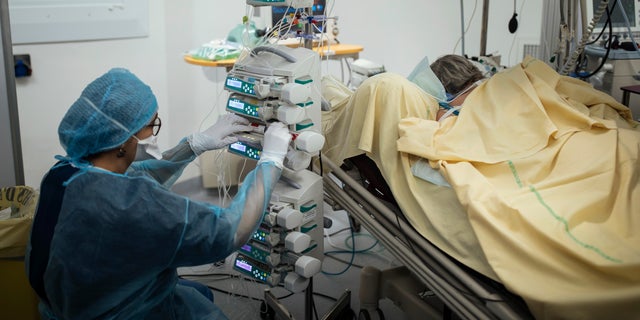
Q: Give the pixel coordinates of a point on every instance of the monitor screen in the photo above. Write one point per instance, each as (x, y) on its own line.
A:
(618, 21)
(318, 9)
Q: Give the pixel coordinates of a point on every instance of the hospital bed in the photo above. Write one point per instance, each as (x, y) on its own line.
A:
(444, 236)
(466, 293)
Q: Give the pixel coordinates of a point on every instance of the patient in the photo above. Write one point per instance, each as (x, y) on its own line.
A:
(458, 76)
(523, 200)
(362, 126)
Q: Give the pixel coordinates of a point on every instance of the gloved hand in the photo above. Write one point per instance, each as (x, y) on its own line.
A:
(219, 135)
(276, 144)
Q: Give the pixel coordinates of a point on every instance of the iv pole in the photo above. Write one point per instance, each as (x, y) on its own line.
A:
(343, 304)
(12, 171)
(308, 30)
(483, 32)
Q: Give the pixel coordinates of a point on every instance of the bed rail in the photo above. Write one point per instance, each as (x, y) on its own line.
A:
(457, 288)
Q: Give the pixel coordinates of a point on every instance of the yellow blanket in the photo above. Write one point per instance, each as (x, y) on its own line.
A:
(366, 121)
(548, 171)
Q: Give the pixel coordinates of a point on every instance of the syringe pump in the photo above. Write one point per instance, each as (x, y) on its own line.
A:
(282, 84)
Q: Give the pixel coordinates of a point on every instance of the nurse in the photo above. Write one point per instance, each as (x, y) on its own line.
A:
(108, 234)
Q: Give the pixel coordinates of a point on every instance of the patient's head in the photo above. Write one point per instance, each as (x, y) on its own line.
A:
(456, 73)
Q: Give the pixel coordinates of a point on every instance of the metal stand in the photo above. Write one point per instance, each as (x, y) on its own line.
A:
(308, 30)
(12, 170)
(341, 309)
(483, 32)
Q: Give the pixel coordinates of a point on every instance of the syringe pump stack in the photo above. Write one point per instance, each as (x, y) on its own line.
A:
(278, 83)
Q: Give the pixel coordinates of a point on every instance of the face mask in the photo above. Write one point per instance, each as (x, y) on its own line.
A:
(147, 149)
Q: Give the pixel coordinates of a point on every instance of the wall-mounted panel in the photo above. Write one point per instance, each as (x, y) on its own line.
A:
(42, 21)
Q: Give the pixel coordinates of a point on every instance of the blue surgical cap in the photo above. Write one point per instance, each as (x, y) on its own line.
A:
(109, 111)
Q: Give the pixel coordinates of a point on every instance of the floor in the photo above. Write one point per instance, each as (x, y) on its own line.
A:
(242, 299)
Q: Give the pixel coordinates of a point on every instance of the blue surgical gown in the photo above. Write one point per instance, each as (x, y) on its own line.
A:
(120, 237)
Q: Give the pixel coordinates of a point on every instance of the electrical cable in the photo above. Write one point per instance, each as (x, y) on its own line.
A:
(513, 41)
(229, 276)
(608, 24)
(569, 65)
(233, 294)
(604, 27)
(286, 296)
(353, 254)
(330, 255)
(336, 232)
(604, 58)
(343, 261)
(225, 276)
(329, 238)
(346, 244)
(406, 239)
(473, 14)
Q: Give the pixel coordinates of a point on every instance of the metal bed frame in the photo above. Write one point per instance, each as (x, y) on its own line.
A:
(463, 291)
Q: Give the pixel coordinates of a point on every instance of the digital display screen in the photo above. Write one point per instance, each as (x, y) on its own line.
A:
(246, 248)
(617, 19)
(243, 265)
(236, 104)
(234, 83)
(238, 146)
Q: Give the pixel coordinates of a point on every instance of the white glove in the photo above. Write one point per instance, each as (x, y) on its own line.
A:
(276, 144)
(219, 135)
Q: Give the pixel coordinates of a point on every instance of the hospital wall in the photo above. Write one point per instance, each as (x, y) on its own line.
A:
(397, 34)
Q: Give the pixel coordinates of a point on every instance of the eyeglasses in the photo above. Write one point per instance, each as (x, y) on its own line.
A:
(157, 123)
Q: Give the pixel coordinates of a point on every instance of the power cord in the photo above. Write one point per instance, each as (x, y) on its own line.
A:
(353, 252)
